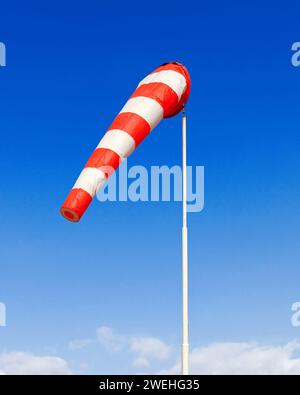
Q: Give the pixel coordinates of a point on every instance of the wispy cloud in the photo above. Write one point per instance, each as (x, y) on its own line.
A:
(141, 362)
(146, 349)
(79, 344)
(110, 339)
(148, 352)
(217, 358)
(149, 349)
(242, 358)
(27, 364)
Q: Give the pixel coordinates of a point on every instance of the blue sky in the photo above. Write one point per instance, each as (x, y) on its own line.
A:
(70, 68)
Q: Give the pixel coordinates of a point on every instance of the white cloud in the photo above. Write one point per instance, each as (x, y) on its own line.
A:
(25, 363)
(112, 341)
(79, 344)
(150, 348)
(217, 358)
(242, 358)
(147, 349)
(141, 362)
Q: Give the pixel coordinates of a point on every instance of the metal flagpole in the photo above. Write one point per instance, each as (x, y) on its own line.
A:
(185, 327)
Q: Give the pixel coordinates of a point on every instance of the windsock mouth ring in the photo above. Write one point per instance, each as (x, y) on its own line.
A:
(179, 67)
(69, 214)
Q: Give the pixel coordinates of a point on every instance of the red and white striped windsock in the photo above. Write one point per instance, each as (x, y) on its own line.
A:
(161, 94)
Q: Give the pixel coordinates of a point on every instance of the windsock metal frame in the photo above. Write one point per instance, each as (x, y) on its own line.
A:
(162, 94)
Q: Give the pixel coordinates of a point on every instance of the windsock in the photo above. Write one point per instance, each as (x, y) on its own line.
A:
(162, 94)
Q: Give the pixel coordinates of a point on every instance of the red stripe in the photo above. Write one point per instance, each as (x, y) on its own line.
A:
(104, 159)
(75, 205)
(182, 70)
(160, 92)
(136, 126)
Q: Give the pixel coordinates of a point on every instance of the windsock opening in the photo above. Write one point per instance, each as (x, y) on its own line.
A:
(75, 204)
(69, 214)
(161, 94)
(178, 67)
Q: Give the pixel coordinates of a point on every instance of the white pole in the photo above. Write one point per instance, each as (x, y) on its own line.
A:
(185, 326)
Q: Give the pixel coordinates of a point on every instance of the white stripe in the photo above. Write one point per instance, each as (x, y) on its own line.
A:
(147, 108)
(118, 141)
(90, 180)
(173, 79)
